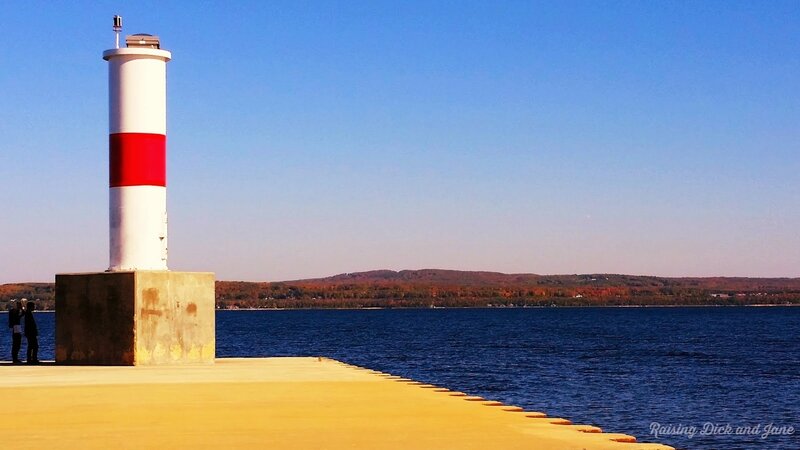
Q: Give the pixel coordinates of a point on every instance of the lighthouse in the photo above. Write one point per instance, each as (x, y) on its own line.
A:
(137, 122)
(136, 312)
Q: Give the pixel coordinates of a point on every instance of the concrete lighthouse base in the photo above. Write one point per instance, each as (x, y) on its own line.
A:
(135, 318)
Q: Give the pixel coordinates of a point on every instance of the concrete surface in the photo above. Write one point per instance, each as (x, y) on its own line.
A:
(280, 403)
(135, 318)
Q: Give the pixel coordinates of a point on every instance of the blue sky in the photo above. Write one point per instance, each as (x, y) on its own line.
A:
(312, 138)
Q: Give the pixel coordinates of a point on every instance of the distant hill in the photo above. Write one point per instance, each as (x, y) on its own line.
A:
(453, 288)
(471, 278)
(429, 276)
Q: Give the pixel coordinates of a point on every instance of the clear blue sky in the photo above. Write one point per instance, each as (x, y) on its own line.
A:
(313, 138)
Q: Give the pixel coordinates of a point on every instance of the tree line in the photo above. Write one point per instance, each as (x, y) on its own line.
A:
(438, 288)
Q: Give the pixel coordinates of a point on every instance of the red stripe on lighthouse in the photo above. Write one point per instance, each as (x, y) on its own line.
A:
(137, 159)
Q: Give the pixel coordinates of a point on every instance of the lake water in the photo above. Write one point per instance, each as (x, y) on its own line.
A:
(621, 369)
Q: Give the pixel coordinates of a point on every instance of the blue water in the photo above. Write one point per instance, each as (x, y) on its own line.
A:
(618, 368)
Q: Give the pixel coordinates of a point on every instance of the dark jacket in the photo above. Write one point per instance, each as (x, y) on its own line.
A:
(30, 324)
(13, 318)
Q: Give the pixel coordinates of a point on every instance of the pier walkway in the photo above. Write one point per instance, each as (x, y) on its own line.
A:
(277, 403)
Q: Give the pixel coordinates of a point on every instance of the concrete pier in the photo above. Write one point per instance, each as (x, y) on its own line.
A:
(277, 403)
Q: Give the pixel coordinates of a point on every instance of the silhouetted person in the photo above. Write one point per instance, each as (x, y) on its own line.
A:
(14, 316)
(31, 334)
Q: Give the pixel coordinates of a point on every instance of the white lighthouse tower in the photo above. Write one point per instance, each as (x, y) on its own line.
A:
(137, 97)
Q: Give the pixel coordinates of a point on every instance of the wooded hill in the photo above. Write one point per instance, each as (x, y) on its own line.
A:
(450, 288)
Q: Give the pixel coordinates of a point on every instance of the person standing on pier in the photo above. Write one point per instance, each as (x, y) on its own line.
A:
(14, 316)
(31, 334)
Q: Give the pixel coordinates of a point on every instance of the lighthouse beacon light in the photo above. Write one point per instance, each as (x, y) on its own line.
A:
(117, 30)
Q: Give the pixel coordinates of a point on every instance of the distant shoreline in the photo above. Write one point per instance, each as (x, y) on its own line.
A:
(512, 307)
(791, 305)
